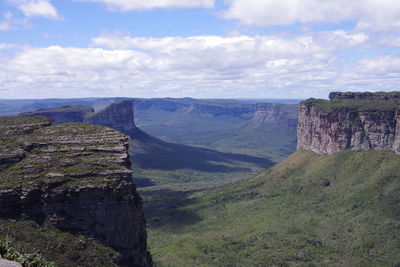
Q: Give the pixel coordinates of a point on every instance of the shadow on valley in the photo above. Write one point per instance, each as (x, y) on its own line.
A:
(152, 153)
(166, 208)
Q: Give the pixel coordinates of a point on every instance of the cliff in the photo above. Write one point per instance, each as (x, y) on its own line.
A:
(76, 178)
(275, 114)
(220, 109)
(118, 116)
(63, 114)
(354, 121)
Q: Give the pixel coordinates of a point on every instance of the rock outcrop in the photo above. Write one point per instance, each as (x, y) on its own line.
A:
(118, 116)
(355, 121)
(276, 114)
(75, 177)
(63, 114)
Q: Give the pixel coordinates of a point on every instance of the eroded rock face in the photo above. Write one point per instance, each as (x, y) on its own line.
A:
(63, 114)
(118, 116)
(270, 114)
(362, 123)
(75, 177)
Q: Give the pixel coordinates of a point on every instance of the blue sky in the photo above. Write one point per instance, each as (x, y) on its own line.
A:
(197, 48)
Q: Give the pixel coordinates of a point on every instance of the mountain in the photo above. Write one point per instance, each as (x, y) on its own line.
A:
(356, 121)
(271, 131)
(118, 116)
(240, 126)
(308, 210)
(312, 209)
(184, 120)
(66, 191)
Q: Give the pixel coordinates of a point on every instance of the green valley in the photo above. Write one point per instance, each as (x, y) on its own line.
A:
(308, 210)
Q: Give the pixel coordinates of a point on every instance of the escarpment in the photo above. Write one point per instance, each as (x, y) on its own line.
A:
(275, 114)
(354, 121)
(76, 178)
(63, 114)
(118, 116)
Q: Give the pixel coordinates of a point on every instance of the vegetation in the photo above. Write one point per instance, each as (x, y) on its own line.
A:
(309, 210)
(159, 163)
(326, 106)
(28, 242)
(7, 252)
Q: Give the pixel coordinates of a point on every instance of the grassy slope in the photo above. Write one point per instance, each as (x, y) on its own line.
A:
(309, 210)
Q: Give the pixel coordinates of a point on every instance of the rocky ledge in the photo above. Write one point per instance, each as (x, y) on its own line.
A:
(75, 177)
(355, 121)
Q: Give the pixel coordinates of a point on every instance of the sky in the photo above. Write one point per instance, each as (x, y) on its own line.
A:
(197, 48)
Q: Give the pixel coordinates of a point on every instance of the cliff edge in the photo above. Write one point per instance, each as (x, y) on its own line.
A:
(62, 114)
(75, 178)
(350, 121)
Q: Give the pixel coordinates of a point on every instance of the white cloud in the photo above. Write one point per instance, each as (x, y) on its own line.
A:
(199, 66)
(128, 5)
(9, 22)
(376, 14)
(36, 8)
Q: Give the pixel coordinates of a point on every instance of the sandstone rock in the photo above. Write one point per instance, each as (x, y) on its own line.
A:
(118, 116)
(6, 263)
(75, 177)
(273, 114)
(350, 122)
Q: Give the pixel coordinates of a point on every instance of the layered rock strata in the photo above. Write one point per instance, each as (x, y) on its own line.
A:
(75, 177)
(359, 121)
(119, 116)
(276, 114)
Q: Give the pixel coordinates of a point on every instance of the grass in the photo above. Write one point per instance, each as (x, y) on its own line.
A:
(309, 210)
(28, 242)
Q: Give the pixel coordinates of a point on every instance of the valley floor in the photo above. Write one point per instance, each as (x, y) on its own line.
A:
(308, 210)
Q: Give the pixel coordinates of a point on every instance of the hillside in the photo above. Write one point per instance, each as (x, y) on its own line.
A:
(308, 210)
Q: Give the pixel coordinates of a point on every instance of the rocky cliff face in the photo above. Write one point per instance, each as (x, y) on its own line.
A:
(276, 114)
(118, 116)
(359, 121)
(75, 177)
(63, 114)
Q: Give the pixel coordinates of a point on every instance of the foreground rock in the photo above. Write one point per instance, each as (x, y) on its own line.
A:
(6, 263)
(74, 177)
(355, 121)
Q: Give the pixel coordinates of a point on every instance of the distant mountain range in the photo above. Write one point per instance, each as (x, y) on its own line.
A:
(217, 123)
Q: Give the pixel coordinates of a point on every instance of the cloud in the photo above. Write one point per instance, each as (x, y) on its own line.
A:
(199, 66)
(129, 5)
(35, 8)
(9, 22)
(369, 14)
